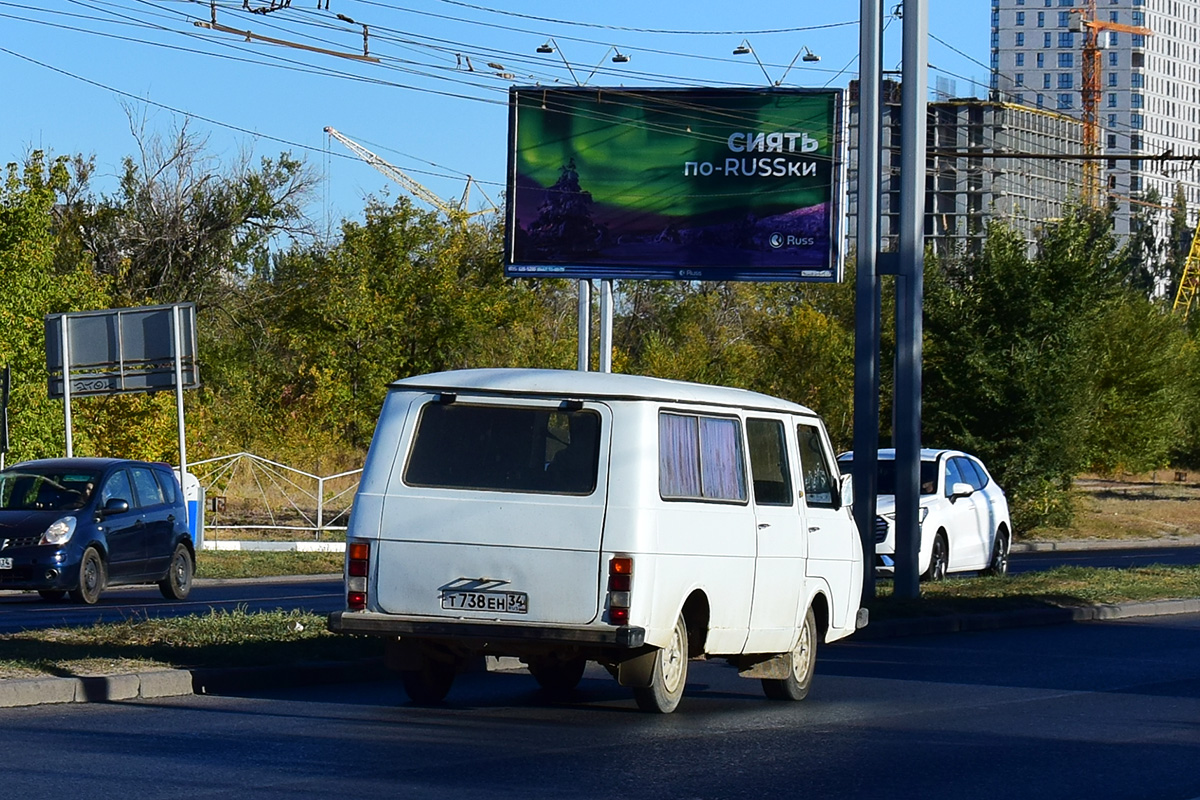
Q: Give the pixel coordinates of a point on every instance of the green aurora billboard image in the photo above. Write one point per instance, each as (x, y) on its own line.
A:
(682, 184)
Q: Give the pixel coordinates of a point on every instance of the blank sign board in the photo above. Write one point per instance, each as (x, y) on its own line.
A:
(122, 350)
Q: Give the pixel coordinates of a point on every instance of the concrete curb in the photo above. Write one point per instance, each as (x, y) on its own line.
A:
(1074, 545)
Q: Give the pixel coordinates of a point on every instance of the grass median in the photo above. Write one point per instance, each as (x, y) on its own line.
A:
(244, 639)
(1055, 588)
(265, 563)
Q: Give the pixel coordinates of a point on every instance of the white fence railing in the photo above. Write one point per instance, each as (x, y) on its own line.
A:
(246, 493)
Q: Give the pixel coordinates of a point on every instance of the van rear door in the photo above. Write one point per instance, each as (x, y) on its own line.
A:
(495, 510)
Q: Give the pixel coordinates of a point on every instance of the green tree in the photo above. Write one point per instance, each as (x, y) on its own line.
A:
(184, 227)
(33, 288)
(1005, 373)
(405, 292)
(1136, 355)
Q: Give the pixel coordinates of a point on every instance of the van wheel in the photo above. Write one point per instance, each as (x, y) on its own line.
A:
(557, 676)
(92, 578)
(430, 682)
(178, 583)
(670, 674)
(801, 661)
(938, 559)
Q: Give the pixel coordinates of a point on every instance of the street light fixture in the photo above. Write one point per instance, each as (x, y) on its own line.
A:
(551, 46)
(803, 54)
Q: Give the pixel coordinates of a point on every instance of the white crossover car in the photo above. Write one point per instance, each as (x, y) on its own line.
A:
(964, 519)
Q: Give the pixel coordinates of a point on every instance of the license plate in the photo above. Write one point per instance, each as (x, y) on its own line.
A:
(505, 602)
(5, 563)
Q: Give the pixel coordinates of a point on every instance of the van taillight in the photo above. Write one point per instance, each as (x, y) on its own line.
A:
(358, 559)
(620, 584)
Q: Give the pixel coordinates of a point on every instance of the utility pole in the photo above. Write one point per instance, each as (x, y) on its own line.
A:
(866, 290)
(910, 290)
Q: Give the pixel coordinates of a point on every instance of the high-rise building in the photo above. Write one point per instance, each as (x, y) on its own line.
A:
(1148, 89)
(968, 180)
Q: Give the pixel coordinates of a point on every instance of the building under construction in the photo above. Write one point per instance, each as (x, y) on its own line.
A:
(1130, 69)
(969, 180)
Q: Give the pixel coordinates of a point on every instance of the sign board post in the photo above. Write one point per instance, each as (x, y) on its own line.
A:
(5, 391)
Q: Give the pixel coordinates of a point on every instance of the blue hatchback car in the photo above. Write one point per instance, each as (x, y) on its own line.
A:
(78, 525)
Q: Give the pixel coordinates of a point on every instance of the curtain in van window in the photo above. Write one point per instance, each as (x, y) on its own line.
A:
(700, 458)
(721, 473)
(678, 456)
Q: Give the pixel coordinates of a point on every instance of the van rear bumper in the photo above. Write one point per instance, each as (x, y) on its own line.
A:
(372, 623)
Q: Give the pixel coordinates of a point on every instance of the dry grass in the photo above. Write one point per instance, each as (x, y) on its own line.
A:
(219, 639)
(1151, 506)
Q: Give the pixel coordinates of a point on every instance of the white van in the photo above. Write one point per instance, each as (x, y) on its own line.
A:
(563, 517)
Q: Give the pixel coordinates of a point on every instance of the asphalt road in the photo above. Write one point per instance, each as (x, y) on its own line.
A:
(1097, 710)
(322, 594)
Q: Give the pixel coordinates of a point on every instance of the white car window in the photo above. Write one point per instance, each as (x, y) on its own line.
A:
(953, 476)
(973, 473)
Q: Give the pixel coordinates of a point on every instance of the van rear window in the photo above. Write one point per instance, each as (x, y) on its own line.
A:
(505, 449)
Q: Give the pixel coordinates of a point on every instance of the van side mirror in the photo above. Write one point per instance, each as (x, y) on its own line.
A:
(115, 505)
(847, 490)
(961, 490)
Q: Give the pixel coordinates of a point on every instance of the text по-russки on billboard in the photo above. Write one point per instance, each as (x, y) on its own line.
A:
(691, 184)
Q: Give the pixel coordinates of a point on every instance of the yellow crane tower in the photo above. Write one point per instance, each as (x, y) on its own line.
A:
(1084, 21)
(1189, 281)
(451, 210)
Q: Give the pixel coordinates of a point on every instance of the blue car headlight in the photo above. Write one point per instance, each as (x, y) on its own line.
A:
(59, 532)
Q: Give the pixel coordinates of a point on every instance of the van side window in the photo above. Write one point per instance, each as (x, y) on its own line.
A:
(505, 449)
(769, 462)
(820, 489)
(700, 458)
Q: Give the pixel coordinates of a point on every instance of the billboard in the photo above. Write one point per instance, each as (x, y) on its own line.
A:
(121, 350)
(680, 184)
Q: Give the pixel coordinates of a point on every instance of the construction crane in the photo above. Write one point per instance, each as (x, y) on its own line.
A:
(458, 211)
(1084, 21)
(1189, 281)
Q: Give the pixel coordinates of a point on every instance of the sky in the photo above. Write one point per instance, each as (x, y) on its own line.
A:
(433, 104)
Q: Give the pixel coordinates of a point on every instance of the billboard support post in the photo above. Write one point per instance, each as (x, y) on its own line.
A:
(606, 325)
(585, 325)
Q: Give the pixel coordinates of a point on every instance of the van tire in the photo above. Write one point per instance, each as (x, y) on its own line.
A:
(669, 676)
(801, 662)
(429, 682)
(557, 676)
